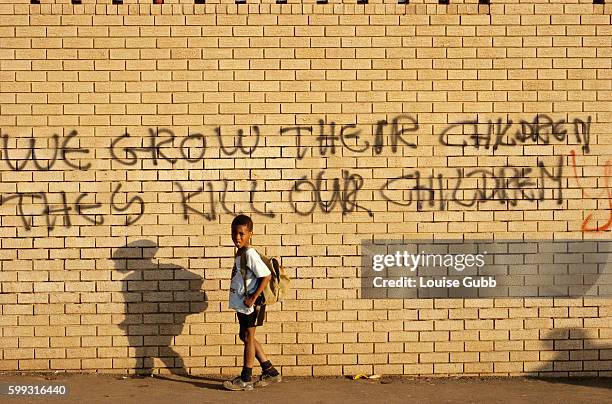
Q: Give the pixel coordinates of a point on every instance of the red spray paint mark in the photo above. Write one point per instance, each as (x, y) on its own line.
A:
(607, 172)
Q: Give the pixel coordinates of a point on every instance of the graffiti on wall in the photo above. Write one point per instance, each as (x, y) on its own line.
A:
(446, 188)
(605, 193)
(506, 185)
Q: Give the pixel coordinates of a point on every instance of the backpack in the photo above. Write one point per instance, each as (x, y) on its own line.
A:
(278, 287)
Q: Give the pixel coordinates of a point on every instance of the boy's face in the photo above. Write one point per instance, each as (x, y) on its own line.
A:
(241, 235)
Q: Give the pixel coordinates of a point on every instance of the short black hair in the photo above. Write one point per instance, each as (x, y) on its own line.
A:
(242, 220)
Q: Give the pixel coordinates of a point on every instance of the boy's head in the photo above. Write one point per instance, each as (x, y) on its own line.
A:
(242, 230)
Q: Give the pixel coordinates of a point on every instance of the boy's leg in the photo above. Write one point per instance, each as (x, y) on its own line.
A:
(252, 349)
(260, 355)
(250, 345)
(259, 352)
(243, 382)
(248, 324)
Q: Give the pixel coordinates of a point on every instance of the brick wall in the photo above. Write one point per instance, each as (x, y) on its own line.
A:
(132, 133)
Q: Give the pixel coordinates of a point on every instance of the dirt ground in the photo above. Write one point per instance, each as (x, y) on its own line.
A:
(90, 388)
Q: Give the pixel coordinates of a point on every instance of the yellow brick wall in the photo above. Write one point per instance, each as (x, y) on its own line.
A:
(91, 73)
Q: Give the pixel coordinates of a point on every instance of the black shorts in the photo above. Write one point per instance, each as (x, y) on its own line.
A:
(255, 319)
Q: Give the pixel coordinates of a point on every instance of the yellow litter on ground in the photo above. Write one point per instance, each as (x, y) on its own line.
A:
(365, 376)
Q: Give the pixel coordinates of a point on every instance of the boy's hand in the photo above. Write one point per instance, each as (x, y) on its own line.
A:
(262, 282)
(249, 300)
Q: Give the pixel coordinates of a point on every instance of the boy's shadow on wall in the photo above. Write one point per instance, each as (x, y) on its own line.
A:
(158, 298)
(576, 351)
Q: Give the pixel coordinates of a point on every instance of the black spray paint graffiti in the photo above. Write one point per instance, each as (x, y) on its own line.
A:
(343, 193)
(42, 205)
(61, 152)
(541, 130)
(161, 144)
(192, 148)
(506, 185)
(155, 147)
(214, 199)
(328, 139)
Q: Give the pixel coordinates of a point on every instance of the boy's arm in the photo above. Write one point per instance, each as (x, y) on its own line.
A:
(261, 285)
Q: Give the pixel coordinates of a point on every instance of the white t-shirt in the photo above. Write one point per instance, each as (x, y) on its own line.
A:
(258, 270)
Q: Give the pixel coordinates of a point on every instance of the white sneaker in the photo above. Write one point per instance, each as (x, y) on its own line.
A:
(266, 379)
(237, 384)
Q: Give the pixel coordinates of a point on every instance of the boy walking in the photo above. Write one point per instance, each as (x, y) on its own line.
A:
(246, 298)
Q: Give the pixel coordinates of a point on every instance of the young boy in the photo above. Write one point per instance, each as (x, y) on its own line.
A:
(250, 315)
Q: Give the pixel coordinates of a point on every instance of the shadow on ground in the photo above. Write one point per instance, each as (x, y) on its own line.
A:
(197, 381)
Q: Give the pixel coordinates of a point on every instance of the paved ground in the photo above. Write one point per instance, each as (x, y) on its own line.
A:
(87, 388)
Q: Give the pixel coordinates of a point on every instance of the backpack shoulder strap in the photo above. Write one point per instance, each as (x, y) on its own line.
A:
(243, 269)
